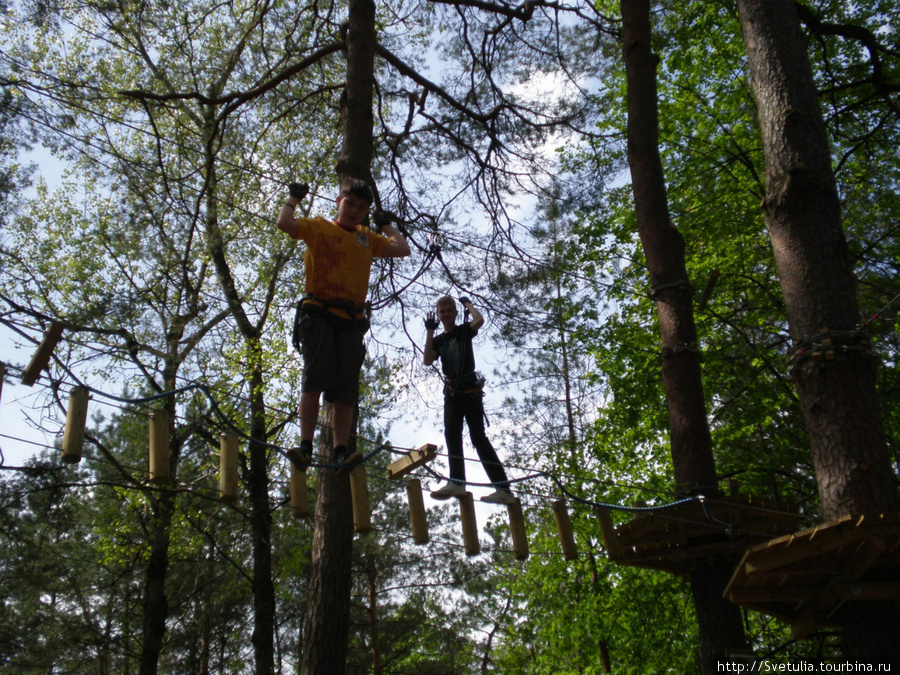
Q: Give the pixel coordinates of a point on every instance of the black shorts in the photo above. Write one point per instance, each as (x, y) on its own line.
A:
(333, 353)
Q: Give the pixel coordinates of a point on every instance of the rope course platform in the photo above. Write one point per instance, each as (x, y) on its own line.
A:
(692, 533)
(804, 577)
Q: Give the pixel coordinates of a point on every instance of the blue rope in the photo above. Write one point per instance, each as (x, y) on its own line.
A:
(701, 499)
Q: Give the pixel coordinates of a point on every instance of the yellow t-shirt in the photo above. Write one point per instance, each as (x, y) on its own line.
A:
(337, 261)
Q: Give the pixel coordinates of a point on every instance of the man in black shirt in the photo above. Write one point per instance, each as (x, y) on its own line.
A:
(463, 394)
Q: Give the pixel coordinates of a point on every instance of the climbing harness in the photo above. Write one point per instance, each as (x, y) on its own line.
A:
(310, 305)
(469, 384)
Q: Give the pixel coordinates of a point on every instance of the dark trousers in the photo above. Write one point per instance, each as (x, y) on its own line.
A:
(461, 407)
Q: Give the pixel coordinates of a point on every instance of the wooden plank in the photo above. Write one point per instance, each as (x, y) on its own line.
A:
(797, 551)
(812, 543)
(608, 532)
(782, 594)
(870, 590)
(412, 460)
(417, 518)
(862, 559)
(469, 524)
(634, 529)
(564, 529)
(76, 420)
(805, 624)
(359, 491)
(517, 530)
(836, 558)
(737, 578)
(44, 351)
(299, 494)
(829, 596)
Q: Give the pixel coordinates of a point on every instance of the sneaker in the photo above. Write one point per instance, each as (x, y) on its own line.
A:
(500, 496)
(301, 456)
(345, 459)
(449, 490)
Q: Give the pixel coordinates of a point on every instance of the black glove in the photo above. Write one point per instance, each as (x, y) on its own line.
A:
(298, 190)
(463, 300)
(431, 323)
(381, 218)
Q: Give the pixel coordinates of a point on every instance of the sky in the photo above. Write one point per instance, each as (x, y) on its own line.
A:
(29, 429)
(22, 413)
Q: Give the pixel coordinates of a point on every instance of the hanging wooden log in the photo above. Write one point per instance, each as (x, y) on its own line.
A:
(359, 490)
(159, 446)
(228, 468)
(417, 518)
(44, 351)
(610, 537)
(469, 524)
(76, 419)
(411, 460)
(517, 529)
(299, 494)
(564, 527)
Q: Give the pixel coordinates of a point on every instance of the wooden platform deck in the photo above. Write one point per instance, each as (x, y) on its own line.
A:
(804, 577)
(680, 538)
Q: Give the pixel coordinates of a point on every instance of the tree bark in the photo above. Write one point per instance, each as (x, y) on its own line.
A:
(374, 625)
(162, 508)
(328, 615)
(357, 117)
(719, 621)
(830, 360)
(156, 607)
(263, 636)
(328, 612)
(664, 249)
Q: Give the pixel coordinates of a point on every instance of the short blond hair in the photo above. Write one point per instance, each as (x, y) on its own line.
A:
(445, 300)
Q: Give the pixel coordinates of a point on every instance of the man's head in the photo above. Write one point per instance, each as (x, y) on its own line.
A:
(353, 203)
(446, 311)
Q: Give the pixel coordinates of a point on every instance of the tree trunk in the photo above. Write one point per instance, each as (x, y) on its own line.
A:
(155, 601)
(156, 606)
(374, 626)
(328, 613)
(357, 118)
(803, 217)
(263, 636)
(831, 365)
(719, 621)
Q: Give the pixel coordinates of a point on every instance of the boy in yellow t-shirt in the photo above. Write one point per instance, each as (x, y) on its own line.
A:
(332, 321)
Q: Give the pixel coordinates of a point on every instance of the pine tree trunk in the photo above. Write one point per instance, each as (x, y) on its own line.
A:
(155, 600)
(156, 606)
(263, 636)
(836, 387)
(328, 615)
(374, 626)
(719, 621)
(357, 117)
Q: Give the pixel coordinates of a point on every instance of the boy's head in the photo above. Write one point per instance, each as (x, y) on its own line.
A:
(353, 203)
(446, 310)
(357, 188)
